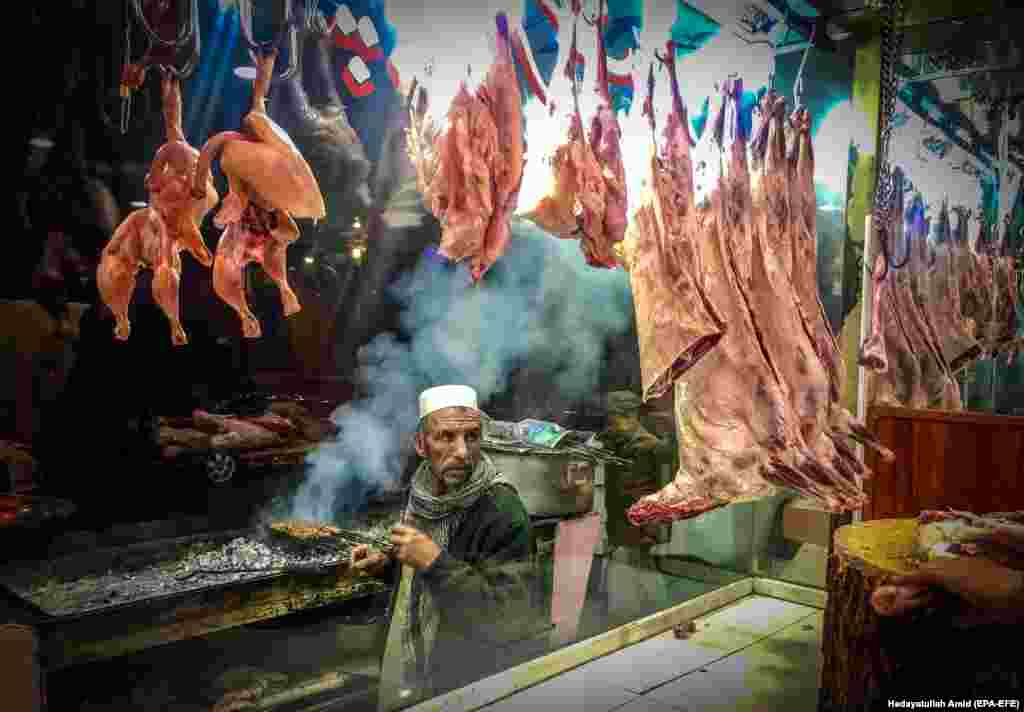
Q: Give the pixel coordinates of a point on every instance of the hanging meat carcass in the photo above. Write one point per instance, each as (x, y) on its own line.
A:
(903, 340)
(941, 389)
(791, 327)
(470, 175)
(760, 409)
(576, 205)
(153, 237)
(939, 292)
(736, 428)
(269, 182)
(676, 324)
(606, 143)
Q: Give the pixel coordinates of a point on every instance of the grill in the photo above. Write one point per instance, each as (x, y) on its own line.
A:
(108, 602)
(95, 582)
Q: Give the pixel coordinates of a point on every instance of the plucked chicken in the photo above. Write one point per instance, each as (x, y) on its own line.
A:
(153, 237)
(269, 183)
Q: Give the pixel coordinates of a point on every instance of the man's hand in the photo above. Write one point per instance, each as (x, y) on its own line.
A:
(631, 445)
(365, 562)
(413, 547)
(994, 593)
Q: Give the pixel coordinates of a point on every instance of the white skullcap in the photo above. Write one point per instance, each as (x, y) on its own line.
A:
(434, 399)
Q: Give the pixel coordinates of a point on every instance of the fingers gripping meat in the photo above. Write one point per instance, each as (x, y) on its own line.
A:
(269, 182)
(892, 600)
(153, 237)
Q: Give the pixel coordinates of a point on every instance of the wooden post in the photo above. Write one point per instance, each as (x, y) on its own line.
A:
(861, 651)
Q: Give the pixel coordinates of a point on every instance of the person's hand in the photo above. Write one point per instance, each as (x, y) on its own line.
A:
(992, 592)
(364, 561)
(413, 547)
(629, 445)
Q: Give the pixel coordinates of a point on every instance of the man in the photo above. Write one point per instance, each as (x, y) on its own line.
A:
(465, 544)
(626, 437)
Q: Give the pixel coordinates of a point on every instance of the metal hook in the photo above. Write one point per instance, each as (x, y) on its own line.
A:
(185, 28)
(286, 31)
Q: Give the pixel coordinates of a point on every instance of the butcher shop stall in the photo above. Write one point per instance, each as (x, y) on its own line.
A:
(720, 300)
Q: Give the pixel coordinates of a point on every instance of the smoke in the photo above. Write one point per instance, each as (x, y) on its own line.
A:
(540, 304)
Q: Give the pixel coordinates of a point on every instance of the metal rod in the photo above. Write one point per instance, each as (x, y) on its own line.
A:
(935, 76)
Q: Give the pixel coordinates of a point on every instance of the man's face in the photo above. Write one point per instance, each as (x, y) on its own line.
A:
(450, 441)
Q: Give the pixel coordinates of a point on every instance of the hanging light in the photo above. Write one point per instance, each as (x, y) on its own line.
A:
(310, 260)
(42, 142)
(246, 73)
(357, 253)
(357, 225)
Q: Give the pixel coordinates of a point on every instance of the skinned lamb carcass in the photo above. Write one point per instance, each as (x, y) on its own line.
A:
(757, 411)
(939, 291)
(470, 175)
(902, 349)
(676, 324)
(784, 332)
(803, 237)
(606, 143)
(269, 182)
(733, 422)
(153, 237)
(575, 205)
(940, 388)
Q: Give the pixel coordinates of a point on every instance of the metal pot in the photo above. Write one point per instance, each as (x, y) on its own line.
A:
(540, 476)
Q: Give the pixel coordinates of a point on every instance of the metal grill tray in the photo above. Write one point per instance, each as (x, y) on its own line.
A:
(105, 580)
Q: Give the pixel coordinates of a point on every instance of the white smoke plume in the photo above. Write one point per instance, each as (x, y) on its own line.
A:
(540, 304)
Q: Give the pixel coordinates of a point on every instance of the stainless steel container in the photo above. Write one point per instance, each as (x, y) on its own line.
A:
(541, 477)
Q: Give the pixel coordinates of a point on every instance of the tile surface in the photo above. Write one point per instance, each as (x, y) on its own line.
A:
(779, 672)
(570, 691)
(758, 654)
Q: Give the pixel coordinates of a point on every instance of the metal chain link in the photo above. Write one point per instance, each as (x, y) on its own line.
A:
(891, 46)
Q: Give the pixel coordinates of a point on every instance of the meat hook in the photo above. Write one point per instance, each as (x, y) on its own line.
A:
(186, 29)
(286, 31)
(188, 33)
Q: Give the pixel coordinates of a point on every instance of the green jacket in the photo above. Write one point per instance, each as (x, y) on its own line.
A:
(485, 587)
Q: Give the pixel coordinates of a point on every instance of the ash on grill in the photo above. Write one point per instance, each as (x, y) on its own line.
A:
(197, 566)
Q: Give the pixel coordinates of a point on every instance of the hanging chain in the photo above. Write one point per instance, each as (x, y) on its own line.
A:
(798, 83)
(892, 44)
(185, 29)
(126, 93)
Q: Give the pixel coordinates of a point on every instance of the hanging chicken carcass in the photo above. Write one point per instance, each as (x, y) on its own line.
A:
(471, 173)
(153, 237)
(269, 183)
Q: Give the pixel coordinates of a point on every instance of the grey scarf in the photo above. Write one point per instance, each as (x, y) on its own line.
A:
(438, 517)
